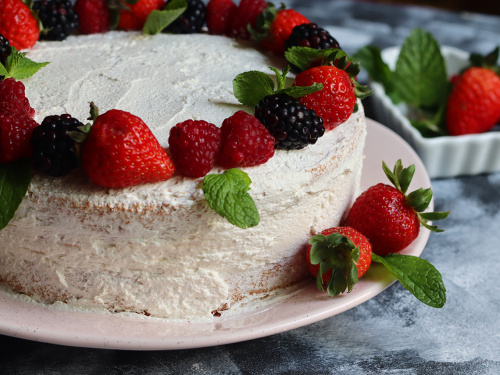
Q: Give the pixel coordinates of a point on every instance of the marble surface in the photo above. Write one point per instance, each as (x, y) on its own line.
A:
(392, 333)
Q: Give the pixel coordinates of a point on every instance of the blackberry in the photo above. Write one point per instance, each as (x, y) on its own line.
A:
(5, 49)
(57, 17)
(292, 125)
(191, 21)
(310, 35)
(54, 151)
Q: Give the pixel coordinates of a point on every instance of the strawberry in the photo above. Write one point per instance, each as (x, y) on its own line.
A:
(245, 142)
(474, 102)
(194, 146)
(122, 151)
(93, 15)
(274, 26)
(18, 24)
(244, 15)
(338, 257)
(135, 16)
(389, 217)
(219, 13)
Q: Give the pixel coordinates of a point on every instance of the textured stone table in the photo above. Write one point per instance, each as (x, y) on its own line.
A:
(391, 333)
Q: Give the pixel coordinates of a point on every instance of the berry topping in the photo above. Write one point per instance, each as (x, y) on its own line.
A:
(121, 151)
(194, 146)
(134, 13)
(219, 13)
(18, 24)
(5, 49)
(191, 21)
(291, 124)
(57, 17)
(93, 16)
(310, 35)
(54, 150)
(244, 15)
(15, 133)
(245, 142)
(13, 98)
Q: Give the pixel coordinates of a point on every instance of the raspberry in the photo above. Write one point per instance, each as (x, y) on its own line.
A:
(57, 17)
(13, 98)
(191, 21)
(245, 142)
(245, 14)
(93, 16)
(292, 125)
(54, 151)
(219, 13)
(194, 146)
(15, 133)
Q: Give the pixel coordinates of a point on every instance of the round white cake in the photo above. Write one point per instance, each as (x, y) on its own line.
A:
(158, 249)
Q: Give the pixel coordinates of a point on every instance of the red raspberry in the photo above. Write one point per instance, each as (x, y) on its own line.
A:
(15, 134)
(246, 13)
(93, 16)
(13, 98)
(194, 146)
(245, 142)
(219, 13)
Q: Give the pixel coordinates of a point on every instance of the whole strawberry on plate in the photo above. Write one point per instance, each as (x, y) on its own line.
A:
(121, 151)
(388, 216)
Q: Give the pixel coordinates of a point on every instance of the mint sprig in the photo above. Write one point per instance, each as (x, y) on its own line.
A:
(18, 66)
(253, 86)
(15, 178)
(160, 19)
(227, 194)
(417, 275)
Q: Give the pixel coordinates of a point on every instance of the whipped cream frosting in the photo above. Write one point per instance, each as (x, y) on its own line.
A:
(158, 249)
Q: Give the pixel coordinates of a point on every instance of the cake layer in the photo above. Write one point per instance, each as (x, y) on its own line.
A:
(158, 249)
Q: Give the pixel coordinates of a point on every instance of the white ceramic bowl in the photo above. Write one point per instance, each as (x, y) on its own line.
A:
(445, 156)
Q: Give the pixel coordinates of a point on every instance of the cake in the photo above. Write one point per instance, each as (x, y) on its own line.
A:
(158, 249)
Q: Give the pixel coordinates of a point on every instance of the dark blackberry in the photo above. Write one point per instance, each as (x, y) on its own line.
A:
(5, 49)
(310, 35)
(57, 17)
(191, 21)
(292, 125)
(54, 151)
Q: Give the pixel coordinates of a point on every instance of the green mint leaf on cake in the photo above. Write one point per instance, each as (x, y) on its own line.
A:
(417, 275)
(227, 194)
(15, 178)
(253, 86)
(303, 57)
(18, 66)
(160, 19)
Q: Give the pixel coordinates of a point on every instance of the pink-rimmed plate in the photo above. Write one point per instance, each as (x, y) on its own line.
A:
(19, 318)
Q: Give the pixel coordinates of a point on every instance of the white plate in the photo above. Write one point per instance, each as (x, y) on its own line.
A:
(445, 156)
(86, 329)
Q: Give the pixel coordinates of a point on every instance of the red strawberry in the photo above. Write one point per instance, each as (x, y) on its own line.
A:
(336, 102)
(245, 142)
(219, 13)
(245, 14)
(474, 102)
(122, 151)
(390, 218)
(194, 146)
(18, 24)
(341, 251)
(13, 98)
(93, 16)
(274, 27)
(15, 134)
(135, 17)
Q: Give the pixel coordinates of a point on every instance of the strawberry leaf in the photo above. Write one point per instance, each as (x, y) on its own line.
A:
(18, 66)
(15, 178)
(160, 19)
(227, 195)
(419, 199)
(417, 275)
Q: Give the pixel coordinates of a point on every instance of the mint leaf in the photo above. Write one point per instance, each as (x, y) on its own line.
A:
(18, 66)
(15, 178)
(370, 58)
(227, 195)
(417, 275)
(160, 19)
(420, 76)
(251, 87)
(300, 91)
(303, 57)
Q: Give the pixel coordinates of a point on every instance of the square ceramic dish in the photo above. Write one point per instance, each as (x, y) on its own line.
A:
(446, 156)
